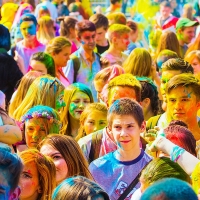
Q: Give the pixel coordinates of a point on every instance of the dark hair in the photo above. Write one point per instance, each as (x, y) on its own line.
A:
(4, 38)
(47, 60)
(28, 17)
(99, 21)
(165, 4)
(132, 25)
(114, 1)
(84, 25)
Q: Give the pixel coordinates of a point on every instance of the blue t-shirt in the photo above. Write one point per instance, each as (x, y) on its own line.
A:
(115, 176)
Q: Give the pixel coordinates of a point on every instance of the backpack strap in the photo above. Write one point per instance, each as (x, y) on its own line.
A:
(95, 145)
(76, 65)
(152, 122)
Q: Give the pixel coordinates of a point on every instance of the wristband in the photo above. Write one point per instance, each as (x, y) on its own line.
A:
(176, 152)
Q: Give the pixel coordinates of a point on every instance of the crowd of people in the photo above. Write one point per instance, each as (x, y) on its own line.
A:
(95, 105)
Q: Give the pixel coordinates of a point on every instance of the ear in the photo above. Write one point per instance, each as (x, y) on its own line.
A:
(143, 126)
(145, 103)
(114, 39)
(39, 189)
(15, 194)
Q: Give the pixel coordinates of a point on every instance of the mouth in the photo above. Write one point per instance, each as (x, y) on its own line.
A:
(179, 114)
(125, 142)
(79, 111)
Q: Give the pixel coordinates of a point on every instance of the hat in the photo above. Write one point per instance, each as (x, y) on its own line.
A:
(185, 22)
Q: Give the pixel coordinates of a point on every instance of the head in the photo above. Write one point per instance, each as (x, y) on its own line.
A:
(31, 2)
(133, 35)
(76, 97)
(116, 18)
(185, 30)
(93, 118)
(43, 11)
(139, 63)
(39, 122)
(188, 11)
(67, 156)
(183, 98)
(165, 9)
(60, 49)
(42, 62)
(101, 23)
(37, 180)
(10, 170)
(160, 168)
(116, 3)
(169, 189)
(154, 38)
(5, 42)
(79, 187)
(124, 85)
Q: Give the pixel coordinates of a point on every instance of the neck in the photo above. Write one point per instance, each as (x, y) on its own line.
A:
(88, 52)
(31, 43)
(194, 128)
(148, 114)
(114, 51)
(74, 124)
(103, 42)
(181, 42)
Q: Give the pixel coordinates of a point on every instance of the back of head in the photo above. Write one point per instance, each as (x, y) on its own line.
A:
(116, 18)
(5, 42)
(169, 189)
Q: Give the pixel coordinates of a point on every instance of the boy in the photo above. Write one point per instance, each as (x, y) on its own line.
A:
(116, 170)
(118, 36)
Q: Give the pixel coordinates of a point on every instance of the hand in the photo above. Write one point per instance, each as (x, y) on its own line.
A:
(155, 146)
(151, 134)
(104, 62)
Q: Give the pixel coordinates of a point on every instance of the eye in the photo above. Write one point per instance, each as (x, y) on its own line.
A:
(30, 129)
(26, 175)
(172, 100)
(90, 122)
(76, 101)
(130, 126)
(185, 99)
(56, 157)
(102, 123)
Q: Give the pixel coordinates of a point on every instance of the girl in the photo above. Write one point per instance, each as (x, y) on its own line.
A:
(76, 97)
(67, 156)
(38, 177)
(93, 118)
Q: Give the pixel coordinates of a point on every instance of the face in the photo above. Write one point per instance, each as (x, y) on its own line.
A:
(59, 161)
(196, 65)
(126, 132)
(165, 11)
(60, 101)
(35, 131)
(118, 92)
(100, 34)
(29, 182)
(87, 39)
(166, 76)
(28, 29)
(95, 121)
(133, 35)
(62, 57)
(78, 103)
(187, 34)
(123, 41)
(38, 66)
(182, 104)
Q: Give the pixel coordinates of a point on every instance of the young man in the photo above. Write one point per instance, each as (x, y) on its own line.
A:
(115, 171)
(185, 31)
(101, 24)
(29, 45)
(118, 36)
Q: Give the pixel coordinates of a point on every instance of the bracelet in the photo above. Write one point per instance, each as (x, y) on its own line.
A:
(176, 152)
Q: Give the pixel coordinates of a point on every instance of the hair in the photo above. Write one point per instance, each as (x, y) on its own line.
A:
(45, 59)
(46, 29)
(66, 23)
(43, 91)
(185, 80)
(126, 80)
(99, 21)
(168, 40)
(177, 64)
(165, 4)
(71, 152)
(116, 18)
(46, 171)
(125, 106)
(10, 166)
(57, 44)
(169, 189)
(194, 46)
(132, 25)
(22, 89)
(31, 2)
(117, 30)
(114, 1)
(192, 55)
(5, 42)
(68, 94)
(182, 137)
(139, 63)
(188, 11)
(93, 107)
(78, 7)
(79, 188)
(43, 11)
(28, 17)
(154, 37)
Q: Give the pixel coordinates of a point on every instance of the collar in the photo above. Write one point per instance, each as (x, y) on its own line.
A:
(85, 55)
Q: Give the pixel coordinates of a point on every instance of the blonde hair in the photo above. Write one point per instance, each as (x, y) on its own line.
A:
(188, 11)
(46, 30)
(46, 170)
(43, 91)
(191, 55)
(88, 110)
(22, 89)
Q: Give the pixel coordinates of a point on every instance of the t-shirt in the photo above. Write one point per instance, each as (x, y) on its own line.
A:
(102, 49)
(115, 176)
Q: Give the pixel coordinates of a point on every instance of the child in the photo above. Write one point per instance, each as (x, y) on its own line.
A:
(92, 119)
(116, 170)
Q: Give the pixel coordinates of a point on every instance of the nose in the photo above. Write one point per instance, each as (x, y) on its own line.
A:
(123, 132)
(178, 105)
(35, 135)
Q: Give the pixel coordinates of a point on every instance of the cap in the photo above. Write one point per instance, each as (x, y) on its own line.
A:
(185, 22)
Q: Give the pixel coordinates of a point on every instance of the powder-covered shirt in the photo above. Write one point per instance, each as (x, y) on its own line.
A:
(115, 176)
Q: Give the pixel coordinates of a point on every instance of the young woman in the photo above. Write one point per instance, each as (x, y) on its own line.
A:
(76, 97)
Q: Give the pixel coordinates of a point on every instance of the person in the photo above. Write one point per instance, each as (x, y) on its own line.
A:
(115, 5)
(185, 31)
(188, 12)
(194, 46)
(87, 189)
(92, 119)
(116, 170)
(118, 36)
(175, 10)
(76, 97)
(10, 171)
(30, 44)
(67, 156)
(84, 64)
(60, 49)
(163, 189)
(8, 78)
(101, 23)
(37, 180)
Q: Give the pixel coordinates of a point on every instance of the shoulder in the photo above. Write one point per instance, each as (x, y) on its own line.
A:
(85, 140)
